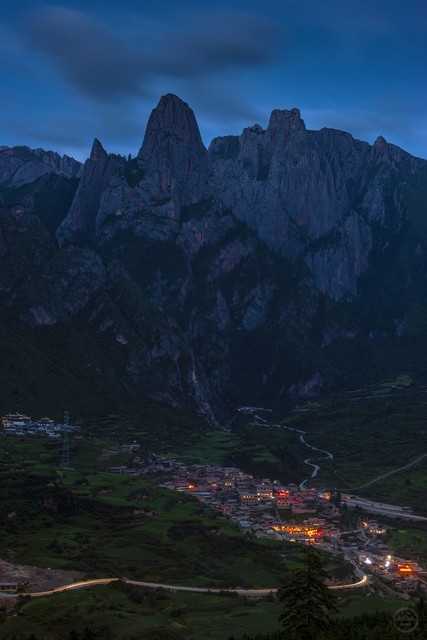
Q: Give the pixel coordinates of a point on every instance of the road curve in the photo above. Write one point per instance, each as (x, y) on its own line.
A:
(168, 587)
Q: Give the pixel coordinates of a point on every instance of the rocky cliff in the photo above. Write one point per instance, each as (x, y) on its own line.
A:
(214, 276)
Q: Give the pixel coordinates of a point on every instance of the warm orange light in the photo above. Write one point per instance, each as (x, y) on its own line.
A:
(404, 569)
(191, 486)
(298, 530)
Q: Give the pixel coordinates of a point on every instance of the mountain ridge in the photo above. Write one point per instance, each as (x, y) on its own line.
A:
(218, 274)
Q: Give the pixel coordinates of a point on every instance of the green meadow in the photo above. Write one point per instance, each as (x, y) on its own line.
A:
(106, 525)
(123, 611)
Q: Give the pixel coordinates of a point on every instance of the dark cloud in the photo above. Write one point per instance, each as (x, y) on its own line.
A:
(222, 106)
(210, 43)
(96, 69)
(397, 126)
(74, 135)
(101, 65)
(63, 133)
(90, 56)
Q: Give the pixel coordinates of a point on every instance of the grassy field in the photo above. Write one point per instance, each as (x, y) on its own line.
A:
(407, 539)
(122, 611)
(370, 432)
(117, 613)
(107, 524)
(90, 520)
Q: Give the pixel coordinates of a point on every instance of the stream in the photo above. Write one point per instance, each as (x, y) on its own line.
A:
(308, 461)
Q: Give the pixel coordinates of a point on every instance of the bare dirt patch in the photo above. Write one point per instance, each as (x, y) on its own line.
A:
(36, 578)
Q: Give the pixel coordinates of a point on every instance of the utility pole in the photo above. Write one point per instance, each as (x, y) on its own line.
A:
(65, 459)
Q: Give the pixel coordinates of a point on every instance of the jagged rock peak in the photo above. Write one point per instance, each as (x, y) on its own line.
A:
(97, 151)
(21, 165)
(173, 154)
(380, 144)
(394, 155)
(172, 118)
(286, 122)
(80, 222)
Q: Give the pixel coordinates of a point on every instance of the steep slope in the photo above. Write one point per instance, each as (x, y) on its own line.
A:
(38, 181)
(74, 324)
(315, 195)
(210, 277)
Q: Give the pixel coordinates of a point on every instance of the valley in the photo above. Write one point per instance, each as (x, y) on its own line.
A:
(160, 298)
(98, 523)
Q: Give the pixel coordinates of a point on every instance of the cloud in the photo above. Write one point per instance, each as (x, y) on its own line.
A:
(90, 56)
(396, 125)
(214, 42)
(62, 132)
(104, 66)
(356, 18)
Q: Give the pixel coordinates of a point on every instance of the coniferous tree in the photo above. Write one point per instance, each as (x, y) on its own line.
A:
(306, 600)
(421, 611)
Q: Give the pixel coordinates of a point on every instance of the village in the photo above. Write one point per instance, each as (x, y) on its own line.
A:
(339, 523)
(17, 424)
(335, 522)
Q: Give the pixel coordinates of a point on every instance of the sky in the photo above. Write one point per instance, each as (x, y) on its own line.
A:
(76, 70)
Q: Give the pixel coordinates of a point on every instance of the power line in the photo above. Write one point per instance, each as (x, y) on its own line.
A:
(65, 459)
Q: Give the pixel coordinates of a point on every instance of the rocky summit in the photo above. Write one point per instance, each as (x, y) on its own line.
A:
(275, 264)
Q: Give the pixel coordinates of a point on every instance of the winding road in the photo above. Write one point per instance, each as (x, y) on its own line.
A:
(328, 455)
(254, 593)
(309, 461)
(173, 588)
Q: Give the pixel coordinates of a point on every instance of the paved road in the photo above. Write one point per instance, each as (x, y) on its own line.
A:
(389, 473)
(169, 587)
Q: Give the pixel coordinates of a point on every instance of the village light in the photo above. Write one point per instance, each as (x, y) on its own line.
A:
(404, 568)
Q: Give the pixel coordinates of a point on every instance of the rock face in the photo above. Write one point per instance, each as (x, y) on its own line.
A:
(39, 182)
(21, 165)
(98, 170)
(296, 188)
(306, 194)
(172, 155)
(220, 275)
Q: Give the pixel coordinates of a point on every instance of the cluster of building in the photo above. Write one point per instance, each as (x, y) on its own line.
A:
(266, 508)
(255, 505)
(11, 587)
(393, 573)
(130, 448)
(17, 424)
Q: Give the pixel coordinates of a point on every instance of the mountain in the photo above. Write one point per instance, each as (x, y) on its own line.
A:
(279, 263)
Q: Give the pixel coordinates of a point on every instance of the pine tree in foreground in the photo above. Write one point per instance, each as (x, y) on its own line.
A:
(306, 600)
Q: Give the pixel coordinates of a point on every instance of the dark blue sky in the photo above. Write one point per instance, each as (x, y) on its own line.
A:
(76, 70)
